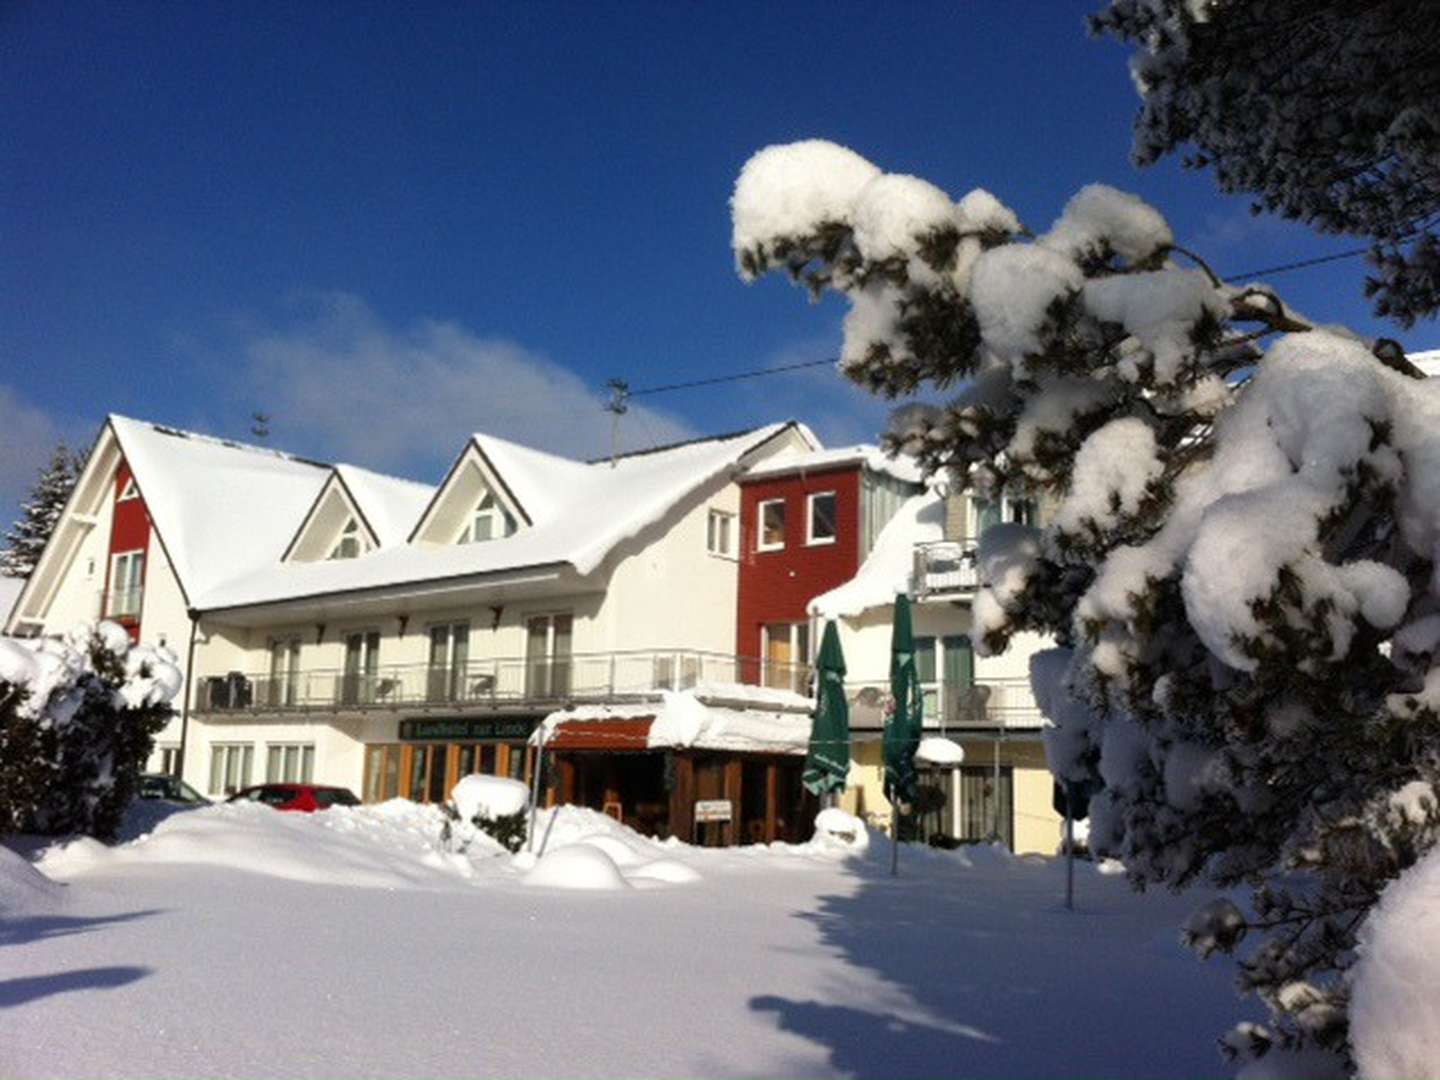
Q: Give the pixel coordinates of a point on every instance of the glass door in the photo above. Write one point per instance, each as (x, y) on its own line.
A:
(284, 671)
(548, 640)
(449, 655)
(362, 664)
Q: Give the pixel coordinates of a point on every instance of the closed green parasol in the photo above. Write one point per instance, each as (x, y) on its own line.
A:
(828, 764)
(902, 730)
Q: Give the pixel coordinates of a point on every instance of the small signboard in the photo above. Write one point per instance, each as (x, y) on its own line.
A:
(467, 728)
(713, 810)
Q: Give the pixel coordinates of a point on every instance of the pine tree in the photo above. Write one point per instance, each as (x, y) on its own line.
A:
(40, 514)
(1239, 571)
(1327, 112)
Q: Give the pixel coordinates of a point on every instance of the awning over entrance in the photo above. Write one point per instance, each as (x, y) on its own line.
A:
(615, 734)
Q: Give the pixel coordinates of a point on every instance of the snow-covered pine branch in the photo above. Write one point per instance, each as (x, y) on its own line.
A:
(1240, 565)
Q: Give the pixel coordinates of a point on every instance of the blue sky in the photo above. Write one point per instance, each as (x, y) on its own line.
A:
(388, 227)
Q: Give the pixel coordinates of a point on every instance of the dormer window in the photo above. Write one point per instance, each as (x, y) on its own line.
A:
(349, 546)
(491, 521)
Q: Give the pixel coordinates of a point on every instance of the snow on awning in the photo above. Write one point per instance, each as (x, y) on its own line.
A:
(678, 720)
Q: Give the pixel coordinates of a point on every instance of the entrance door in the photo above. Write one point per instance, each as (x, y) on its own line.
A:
(547, 655)
(986, 807)
(362, 663)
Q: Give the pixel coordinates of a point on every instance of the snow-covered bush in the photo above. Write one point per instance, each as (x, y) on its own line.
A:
(1239, 569)
(77, 721)
(495, 805)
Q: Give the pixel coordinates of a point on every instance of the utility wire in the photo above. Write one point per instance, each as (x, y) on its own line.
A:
(781, 369)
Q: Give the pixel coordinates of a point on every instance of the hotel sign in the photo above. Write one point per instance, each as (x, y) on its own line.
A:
(467, 730)
(713, 810)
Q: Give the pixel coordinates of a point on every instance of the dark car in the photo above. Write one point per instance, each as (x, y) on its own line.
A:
(170, 788)
(306, 798)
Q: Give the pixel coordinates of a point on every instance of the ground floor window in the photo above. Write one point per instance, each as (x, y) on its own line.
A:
(426, 772)
(985, 807)
(166, 759)
(289, 763)
(230, 767)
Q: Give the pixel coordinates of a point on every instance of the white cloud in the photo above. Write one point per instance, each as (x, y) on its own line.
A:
(28, 436)
(342, 385)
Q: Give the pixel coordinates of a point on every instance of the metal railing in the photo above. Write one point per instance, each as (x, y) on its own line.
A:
(123, 603)
(945, 566)
(506, 681)
(985, 703)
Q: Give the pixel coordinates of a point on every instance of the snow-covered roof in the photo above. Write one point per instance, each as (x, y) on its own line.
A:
(222, 509)
(576, 513)
(863, 454)
(390, 504)
(10, 588)
(1427, 361)
(685, 719)
(887, 571)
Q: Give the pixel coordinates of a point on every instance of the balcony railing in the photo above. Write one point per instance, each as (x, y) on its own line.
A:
(984, 704)
(514, 681)
(121, 603)
(945, 567)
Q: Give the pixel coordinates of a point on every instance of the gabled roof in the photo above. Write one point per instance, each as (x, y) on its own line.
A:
(389, 504)
(222, 509)
(577, 514)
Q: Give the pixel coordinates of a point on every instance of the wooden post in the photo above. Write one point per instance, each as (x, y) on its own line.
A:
(682, 799)
(772, 799)
(733, 787)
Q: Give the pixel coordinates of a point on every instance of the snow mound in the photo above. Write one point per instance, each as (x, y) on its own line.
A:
(489, 796)
(621, 853)
(390, 846)
(670, 871)
(1395, 1007)
(578, 866)
(24, 890)
(835, 830)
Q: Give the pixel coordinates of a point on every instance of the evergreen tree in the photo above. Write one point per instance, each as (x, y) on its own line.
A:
(1239, 571)
(40, 514)
(1328, 112)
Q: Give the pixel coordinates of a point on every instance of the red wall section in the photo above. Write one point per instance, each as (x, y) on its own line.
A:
(129, 531)
(775, 586)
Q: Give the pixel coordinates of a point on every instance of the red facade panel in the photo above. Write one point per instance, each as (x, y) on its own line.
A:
(775, 586)
(129, 531)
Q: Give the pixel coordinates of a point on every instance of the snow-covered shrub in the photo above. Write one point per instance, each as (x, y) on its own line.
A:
(1239, 571)
(495, 805)
(77, 721)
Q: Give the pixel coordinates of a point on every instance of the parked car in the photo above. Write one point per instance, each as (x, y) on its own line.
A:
(307, 798)
(170, 788)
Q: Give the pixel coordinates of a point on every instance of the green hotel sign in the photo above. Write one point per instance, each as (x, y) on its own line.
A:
(464, 730)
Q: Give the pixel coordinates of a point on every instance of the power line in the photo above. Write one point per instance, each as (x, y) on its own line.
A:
(782, 368)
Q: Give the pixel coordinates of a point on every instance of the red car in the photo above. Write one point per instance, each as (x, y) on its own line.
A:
(306, 798)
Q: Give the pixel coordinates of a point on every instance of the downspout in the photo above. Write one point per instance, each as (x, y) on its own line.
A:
(189, 691)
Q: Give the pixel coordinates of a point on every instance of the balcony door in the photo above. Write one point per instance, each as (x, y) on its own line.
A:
(547, 655)
(449, 657)
(362, 665)
(284, 671)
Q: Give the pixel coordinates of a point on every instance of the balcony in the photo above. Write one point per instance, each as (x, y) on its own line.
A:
(121, 603)
(502, 683)
(945, 568)
(984, 705)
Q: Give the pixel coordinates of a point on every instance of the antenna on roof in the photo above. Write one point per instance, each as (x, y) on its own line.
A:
(617, 406)
(260, 424)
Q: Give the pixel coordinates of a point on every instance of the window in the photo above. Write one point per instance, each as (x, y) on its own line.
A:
(490, 521)
(361, 683)
(350, 545)
(987, 804)
(785, 655)
(129, 491)
(820, 519)
(289, 763)
(167, 759)
(547, 655)
(720, 533)
(284, 671)
(230, 767)
(772, 525)
(127, 572)
(449, 658)
(1011, 508)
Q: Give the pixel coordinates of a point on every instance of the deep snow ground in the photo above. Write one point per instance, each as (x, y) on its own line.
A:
(227, 943)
